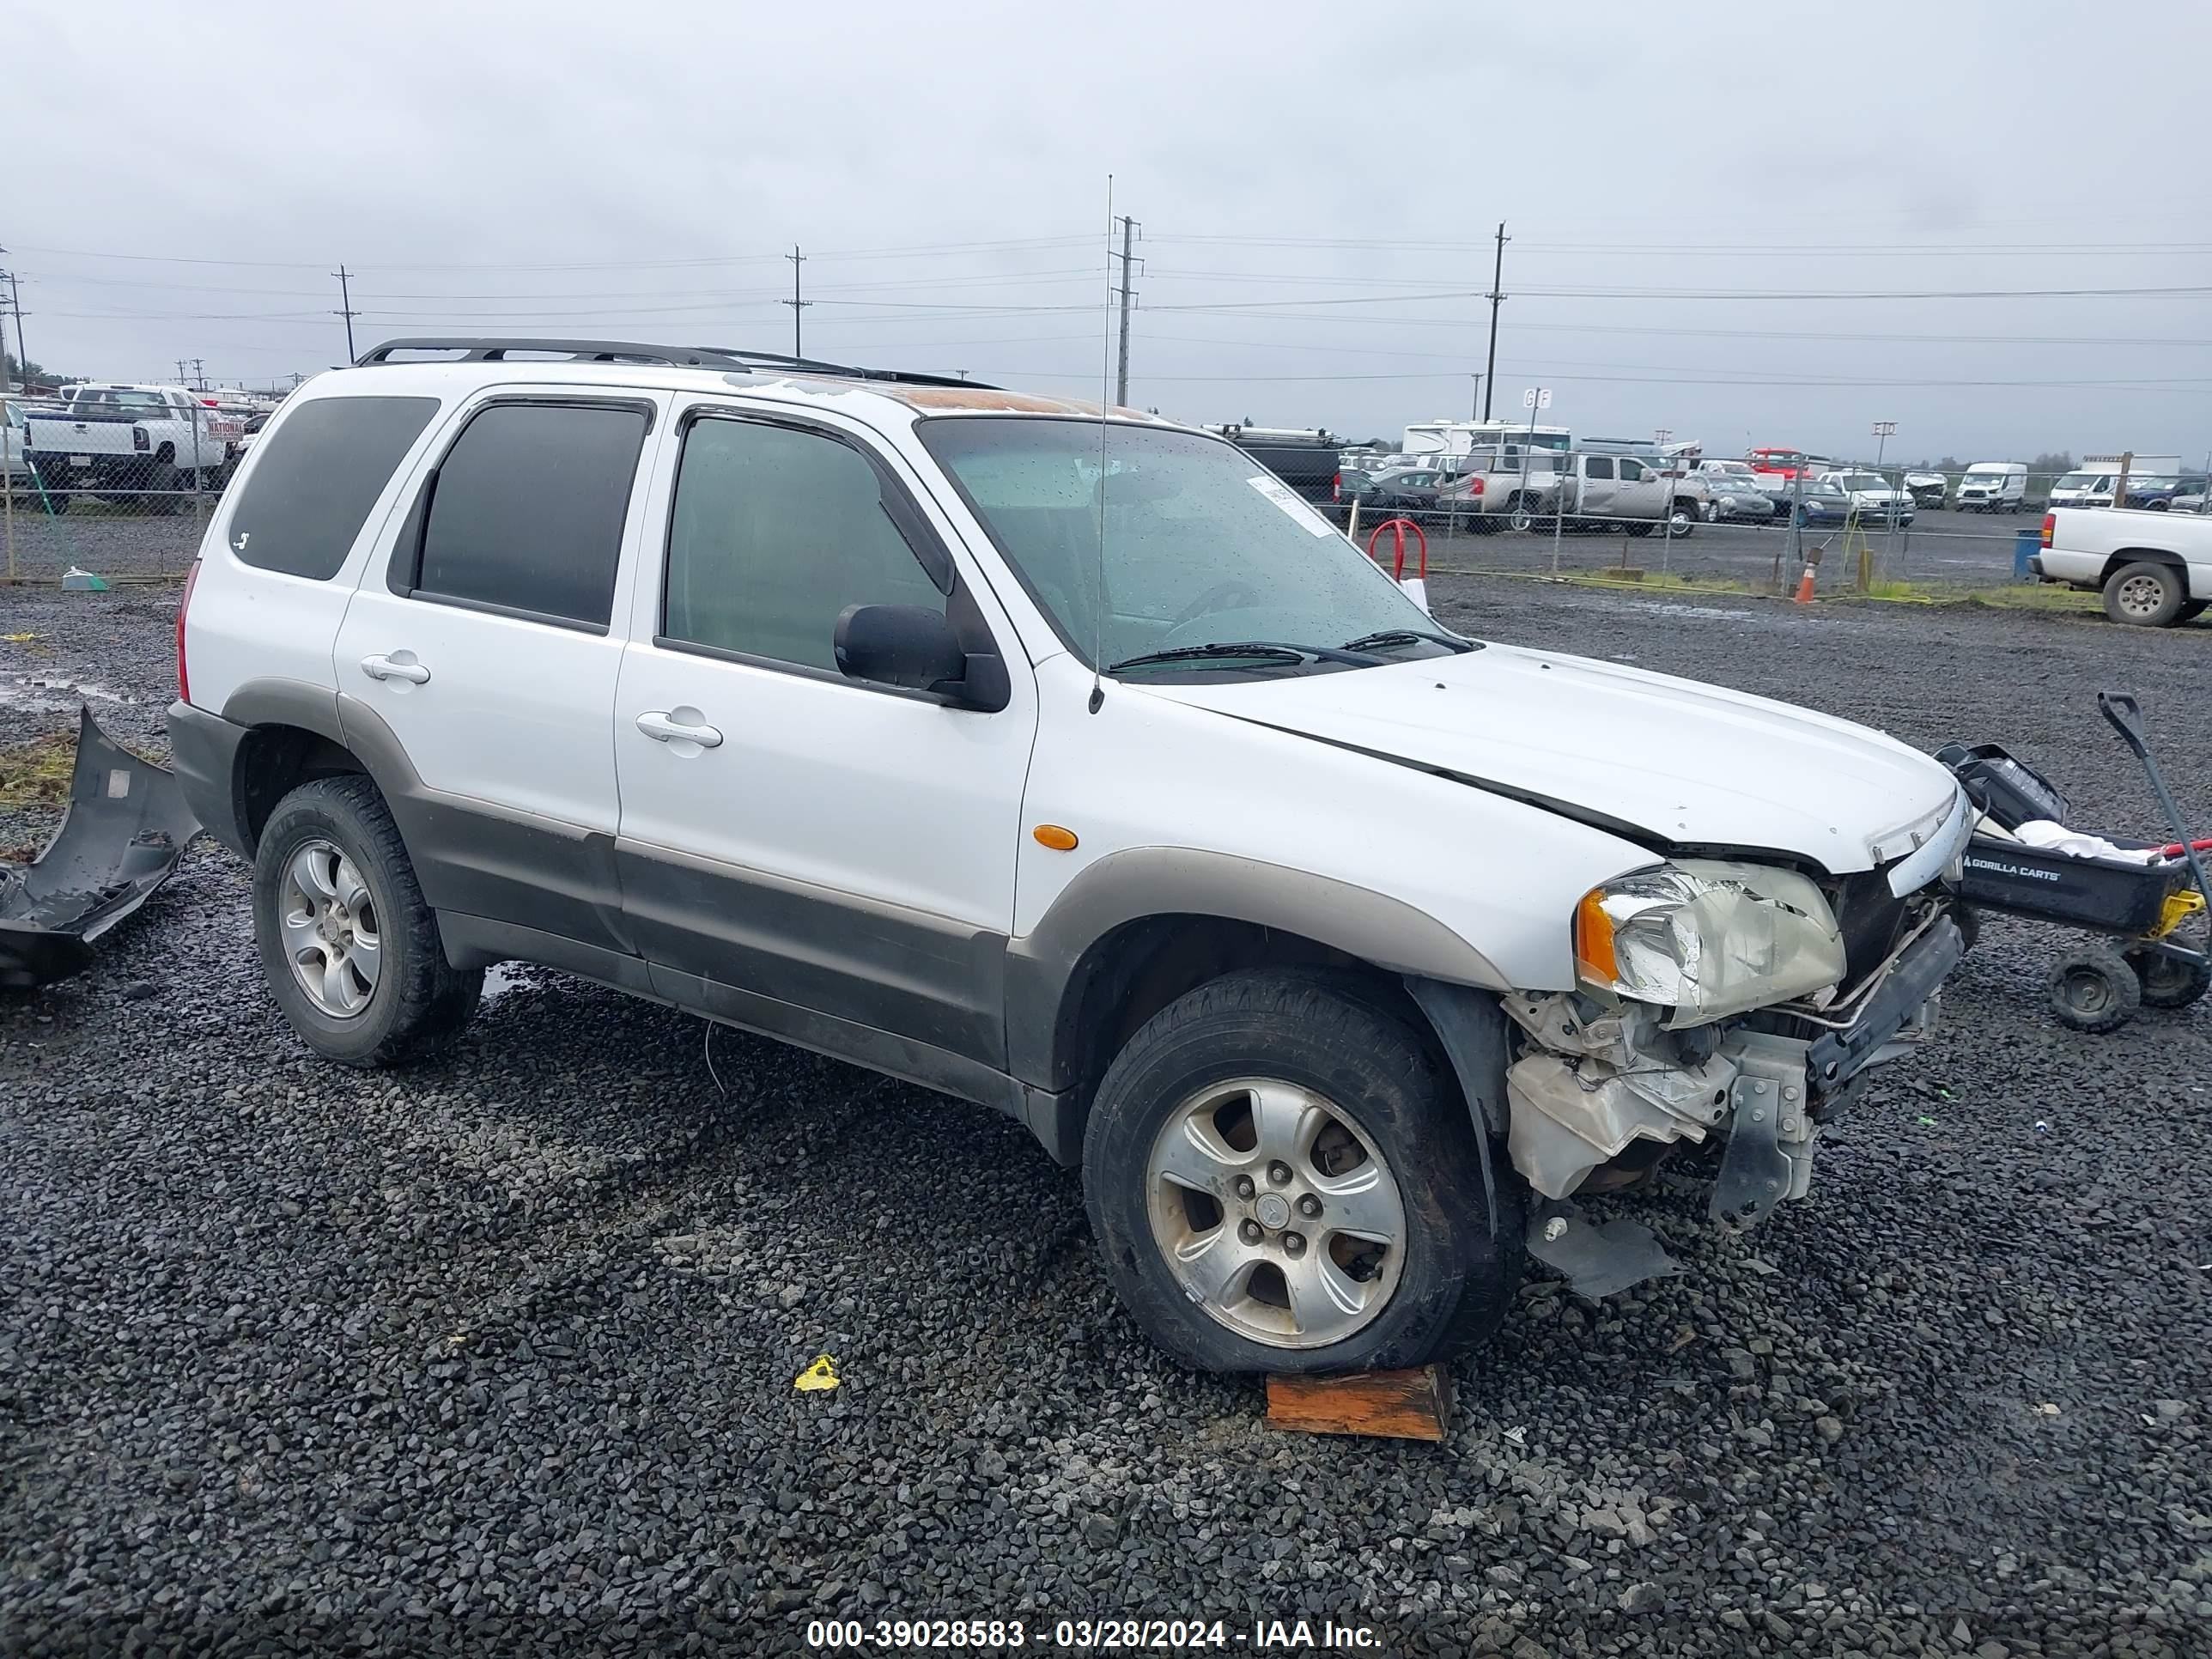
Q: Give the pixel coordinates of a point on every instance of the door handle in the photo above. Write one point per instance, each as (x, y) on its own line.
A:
(656, 724)
(387, 668)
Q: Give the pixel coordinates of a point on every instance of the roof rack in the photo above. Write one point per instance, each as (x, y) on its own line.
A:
(480, 349)
(484, 349)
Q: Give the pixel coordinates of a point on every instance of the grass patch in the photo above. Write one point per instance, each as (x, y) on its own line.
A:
(38, 773)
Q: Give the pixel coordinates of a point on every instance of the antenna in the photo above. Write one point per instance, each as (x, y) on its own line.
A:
(1105, 406)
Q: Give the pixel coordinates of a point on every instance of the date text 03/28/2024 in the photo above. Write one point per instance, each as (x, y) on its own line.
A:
(1094, 1635)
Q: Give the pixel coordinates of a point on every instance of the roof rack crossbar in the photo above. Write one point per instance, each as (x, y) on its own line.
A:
(479, 348)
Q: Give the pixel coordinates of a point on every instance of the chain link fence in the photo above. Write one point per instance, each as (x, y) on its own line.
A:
(1638, 513)
(112, 482)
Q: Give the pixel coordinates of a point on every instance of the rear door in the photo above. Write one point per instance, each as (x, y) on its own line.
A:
(476, 664)
(829, 860)
(1595, 496)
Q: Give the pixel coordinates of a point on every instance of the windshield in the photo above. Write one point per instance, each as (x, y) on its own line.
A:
(2082, 480)
(1202, 545)
(1863, 481)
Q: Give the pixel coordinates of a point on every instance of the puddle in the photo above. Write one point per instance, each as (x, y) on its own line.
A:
(34, 694)
(1707, 612)
(504, 976)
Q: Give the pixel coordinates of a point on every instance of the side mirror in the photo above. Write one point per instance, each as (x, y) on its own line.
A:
(915, 646)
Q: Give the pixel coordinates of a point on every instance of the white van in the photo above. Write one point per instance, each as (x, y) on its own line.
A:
(1993, 487)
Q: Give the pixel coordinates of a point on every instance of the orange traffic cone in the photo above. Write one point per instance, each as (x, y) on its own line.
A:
(1805, 584)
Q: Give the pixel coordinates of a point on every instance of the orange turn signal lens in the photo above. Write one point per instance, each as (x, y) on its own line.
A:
(1052, 836)
(1594, 954)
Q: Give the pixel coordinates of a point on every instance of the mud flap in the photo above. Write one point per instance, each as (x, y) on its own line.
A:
(126, 827)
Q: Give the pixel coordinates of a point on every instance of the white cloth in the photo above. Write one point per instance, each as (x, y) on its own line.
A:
(2057, 838)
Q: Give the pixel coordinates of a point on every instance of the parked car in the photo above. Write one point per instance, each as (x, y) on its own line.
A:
(2154, 570)
(1402, 489)
(795, 699)
(15, 464)
(1928, 488)
(1736, 492)
(1872, 498)
(1992, 487)
(2156, 495)
(1781, 467)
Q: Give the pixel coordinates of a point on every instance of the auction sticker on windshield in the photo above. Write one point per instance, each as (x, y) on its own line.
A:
(1283, 496)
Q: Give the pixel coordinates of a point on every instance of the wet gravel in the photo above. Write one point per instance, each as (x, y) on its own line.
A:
(496, 1355)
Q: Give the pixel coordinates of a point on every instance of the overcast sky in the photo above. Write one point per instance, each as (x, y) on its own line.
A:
(1316, 184)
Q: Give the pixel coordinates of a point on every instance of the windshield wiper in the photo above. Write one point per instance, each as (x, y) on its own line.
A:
(1267, 650)
(1405, 636)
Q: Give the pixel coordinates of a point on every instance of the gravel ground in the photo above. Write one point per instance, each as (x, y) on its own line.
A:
(496, 1355)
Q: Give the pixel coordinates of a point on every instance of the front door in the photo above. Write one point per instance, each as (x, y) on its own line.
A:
(477, 665)
(828, 860)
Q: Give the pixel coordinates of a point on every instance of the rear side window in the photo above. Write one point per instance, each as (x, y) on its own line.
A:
(525, 511)
(316, 477)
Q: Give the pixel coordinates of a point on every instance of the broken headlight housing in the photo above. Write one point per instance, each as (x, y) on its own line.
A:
(1707, 937)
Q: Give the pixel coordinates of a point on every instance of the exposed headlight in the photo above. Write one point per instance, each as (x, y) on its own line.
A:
(1708, 938)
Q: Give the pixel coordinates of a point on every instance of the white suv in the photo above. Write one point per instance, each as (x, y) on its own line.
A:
(1058, 761)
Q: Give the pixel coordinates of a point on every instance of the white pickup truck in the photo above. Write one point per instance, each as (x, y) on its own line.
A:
(2154, 568)
(119, 439)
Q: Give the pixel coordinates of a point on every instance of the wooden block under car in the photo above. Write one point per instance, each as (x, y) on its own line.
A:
(1414, 1405)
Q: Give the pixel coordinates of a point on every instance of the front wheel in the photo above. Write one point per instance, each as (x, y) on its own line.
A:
(351, 949)
(2094, 990)
(1681, 518)
(1283, 1177)
(2145, 595)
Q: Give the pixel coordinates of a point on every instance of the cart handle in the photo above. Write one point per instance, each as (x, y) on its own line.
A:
(2125, 714)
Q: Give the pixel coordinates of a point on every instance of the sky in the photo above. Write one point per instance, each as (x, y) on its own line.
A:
(1742, 223)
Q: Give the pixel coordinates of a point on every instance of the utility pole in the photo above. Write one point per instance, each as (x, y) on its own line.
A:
(1497, 297)
(345, 306)
(1127, 291)
(181, 379)
(796, 304)
(199, 374)
(15, 305)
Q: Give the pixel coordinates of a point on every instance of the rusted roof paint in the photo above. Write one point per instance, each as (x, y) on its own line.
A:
(937, 399)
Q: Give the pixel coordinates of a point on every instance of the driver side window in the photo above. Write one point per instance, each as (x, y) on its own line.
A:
(774, 532)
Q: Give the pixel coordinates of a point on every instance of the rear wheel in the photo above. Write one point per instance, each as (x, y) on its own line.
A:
(1519, 515)
(1282, 1176)
(2094, 990)
(351, 949)
(2145, 595)
(2169, 982)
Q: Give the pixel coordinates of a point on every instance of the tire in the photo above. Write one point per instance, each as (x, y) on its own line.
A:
(414, 1002)
(1384, 1095)
(1519, 517)
(2094, 990)
(2168, 981)
(2159, 506)
(1681, 520)
(2145, 595)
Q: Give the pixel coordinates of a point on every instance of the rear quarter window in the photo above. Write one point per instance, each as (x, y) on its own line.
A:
(315, 478)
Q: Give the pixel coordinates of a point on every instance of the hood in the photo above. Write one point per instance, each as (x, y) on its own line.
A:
(1664, 761)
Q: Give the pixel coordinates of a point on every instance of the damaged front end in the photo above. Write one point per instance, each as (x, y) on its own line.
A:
(1716, 1000)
